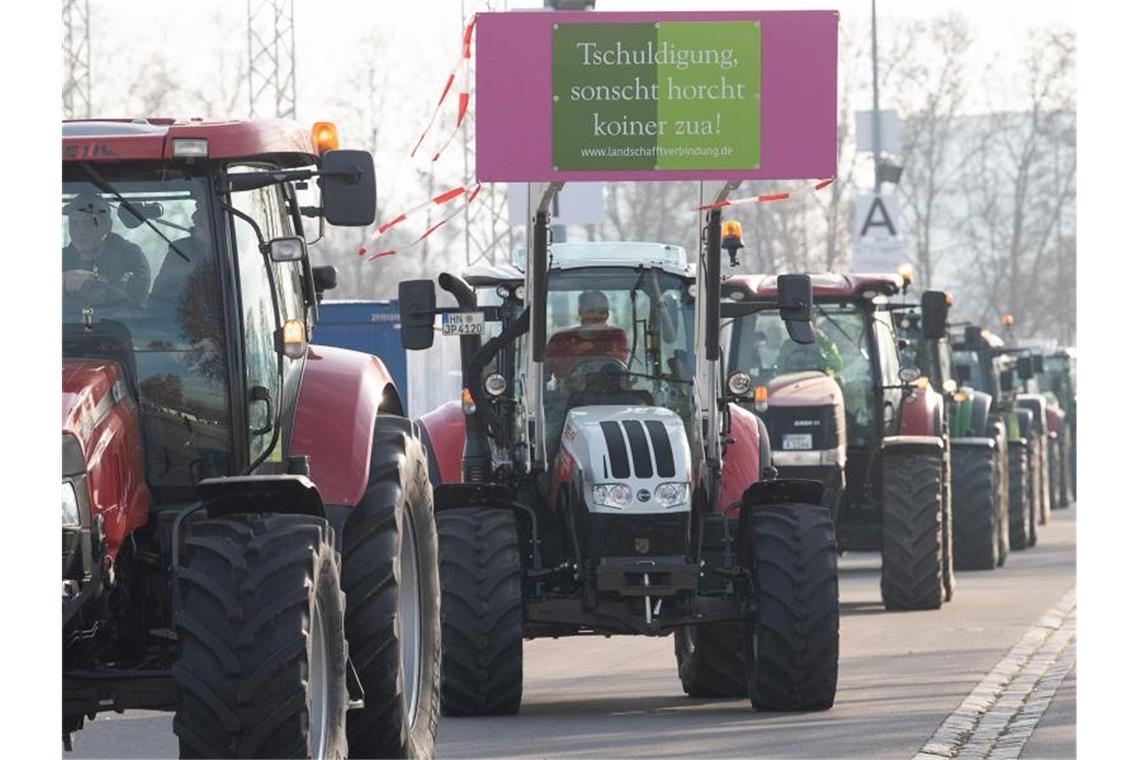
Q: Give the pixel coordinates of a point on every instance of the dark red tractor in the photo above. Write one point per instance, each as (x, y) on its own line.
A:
(248, 530)
(843, 411)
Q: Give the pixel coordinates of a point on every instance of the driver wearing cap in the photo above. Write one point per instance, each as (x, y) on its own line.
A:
(99, 266)
(593, 338)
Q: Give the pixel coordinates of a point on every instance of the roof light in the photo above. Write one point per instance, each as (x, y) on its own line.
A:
(906, 271)
(325, 137)
(949, 298)
(731, 229)
(1007, 319)
(190, 148)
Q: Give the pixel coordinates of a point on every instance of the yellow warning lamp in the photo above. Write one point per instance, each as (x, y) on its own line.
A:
(325, 137)
(949, 298)
(732, 239)
(760, 397)
(1007, 319)
(730, 230)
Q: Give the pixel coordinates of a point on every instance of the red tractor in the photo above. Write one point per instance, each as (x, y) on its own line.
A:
(248, 530)
(844, 412)
(598, 477)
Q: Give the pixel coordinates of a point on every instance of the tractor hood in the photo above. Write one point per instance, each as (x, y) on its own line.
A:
(635, 446)
(803, 389)
(90, 389)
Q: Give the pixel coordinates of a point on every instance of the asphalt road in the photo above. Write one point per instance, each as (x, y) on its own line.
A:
(901, 675)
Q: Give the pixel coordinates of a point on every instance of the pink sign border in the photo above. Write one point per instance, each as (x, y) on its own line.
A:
(799, 59)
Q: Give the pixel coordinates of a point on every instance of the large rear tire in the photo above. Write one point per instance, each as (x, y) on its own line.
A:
(1044, 469)
(1020, 496)
(390, 578)
(262, 655)
(481, 577)
(977, 496)
(710, 660)
(791, 657)
(1064, 456)
(912, 532)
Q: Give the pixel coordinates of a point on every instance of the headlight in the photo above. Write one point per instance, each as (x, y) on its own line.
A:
(740, 384)
(70, 506)
(617, 495)
(495, 384)
(672, 494)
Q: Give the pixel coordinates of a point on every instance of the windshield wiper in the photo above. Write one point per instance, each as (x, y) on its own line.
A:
(101, 183)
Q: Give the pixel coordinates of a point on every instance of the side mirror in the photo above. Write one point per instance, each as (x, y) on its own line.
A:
(1007, 380)
(794, 297)
(324, 278)
(417, 314)
(348, 187)
(935, 310)
(286, 249)
(1024, 367)
(909, 374)
(1038, 363)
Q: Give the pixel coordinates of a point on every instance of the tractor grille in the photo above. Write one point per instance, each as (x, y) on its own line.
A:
(644, 443)
(818, 421)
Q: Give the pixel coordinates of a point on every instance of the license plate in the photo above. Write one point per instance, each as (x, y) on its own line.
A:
(797, 442)
(463, 323)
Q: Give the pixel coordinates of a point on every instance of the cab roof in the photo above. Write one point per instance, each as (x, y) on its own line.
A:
(670, 258)
(108, 140)
(827, 286)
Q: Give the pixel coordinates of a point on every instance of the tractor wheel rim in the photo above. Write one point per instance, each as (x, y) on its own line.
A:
(411, 649)
(318, 684)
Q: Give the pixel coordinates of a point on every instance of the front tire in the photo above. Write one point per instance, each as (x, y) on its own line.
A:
(791, 657)
(977, 495)
(1020, 497)
(391, 581)
(912, 532)
(482, 611)
(261, 659)
(710, 660)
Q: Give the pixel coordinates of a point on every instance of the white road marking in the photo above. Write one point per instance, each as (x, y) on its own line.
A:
(999, 715)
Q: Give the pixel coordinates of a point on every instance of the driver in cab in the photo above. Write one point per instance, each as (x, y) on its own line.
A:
(99, 266)
(593, 338)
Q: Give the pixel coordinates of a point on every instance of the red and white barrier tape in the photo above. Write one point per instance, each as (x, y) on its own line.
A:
(443, 198)
(769, 197)
(463, 67)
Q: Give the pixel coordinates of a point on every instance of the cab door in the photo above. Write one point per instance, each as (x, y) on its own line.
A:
(887, 365)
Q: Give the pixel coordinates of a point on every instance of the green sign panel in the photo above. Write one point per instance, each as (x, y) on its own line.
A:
(670, 95)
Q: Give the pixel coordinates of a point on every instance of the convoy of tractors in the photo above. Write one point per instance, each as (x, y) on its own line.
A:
(257, 538)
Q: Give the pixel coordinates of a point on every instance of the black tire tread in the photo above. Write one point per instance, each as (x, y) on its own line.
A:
(977, 519)
(397, 486)
(715, 667)
(792, 657)
(243, 628)
(912, 532)
(1020, 509)
(482, 611)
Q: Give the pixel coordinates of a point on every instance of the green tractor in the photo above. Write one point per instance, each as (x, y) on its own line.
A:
(978, 442)
(1059, 384)
(984, 364)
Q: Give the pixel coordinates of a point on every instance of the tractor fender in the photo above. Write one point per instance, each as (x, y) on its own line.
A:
(243, 494)
(443, 432)
(1055, 419)
(980, 413)
(912, 444)
(921, 413)
(341, 392)
(741, 464)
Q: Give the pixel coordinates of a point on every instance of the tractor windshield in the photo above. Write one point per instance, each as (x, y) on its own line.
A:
(152, 302)
(618, 336)
(841, 350)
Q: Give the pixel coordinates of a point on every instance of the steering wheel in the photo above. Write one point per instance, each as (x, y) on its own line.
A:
(600, 373)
